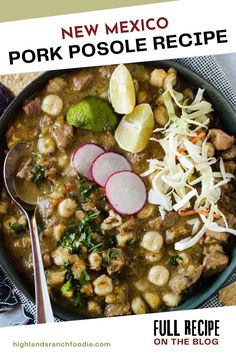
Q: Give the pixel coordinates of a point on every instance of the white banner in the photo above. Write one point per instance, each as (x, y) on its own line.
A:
(196, 331)
(141, 33)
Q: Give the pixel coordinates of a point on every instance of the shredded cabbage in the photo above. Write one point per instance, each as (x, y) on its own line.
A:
(213, 226)
(190, 241)
(169, 106)
(155, 197)
(185, 177)
(199, 108)
(183, 202)
(222, 168)
(196, 226)
(162, 212)
(199, 96)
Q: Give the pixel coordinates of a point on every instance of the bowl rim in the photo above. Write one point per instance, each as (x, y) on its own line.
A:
(203, 294)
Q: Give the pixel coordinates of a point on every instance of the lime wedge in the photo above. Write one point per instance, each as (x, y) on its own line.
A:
(121, 89)
(92, 113)
(135, 129)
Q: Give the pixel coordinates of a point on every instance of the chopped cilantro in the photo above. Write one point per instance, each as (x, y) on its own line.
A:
(79, 206)
(113, 241)
(90, 215)
(79, 234)
(103, 199)
(74, 284)
(78, 300)
(18, 228)
(70, 239)
(67, 266)
(38, 173)
(68, 286)
(87, 240)
(96, 248)
(104, 263)
(84, 278)
(175, 260)
(112, 254)
(86, 187)
(189, 278)
(36, 155)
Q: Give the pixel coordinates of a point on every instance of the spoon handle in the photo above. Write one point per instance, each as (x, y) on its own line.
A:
(43, 305)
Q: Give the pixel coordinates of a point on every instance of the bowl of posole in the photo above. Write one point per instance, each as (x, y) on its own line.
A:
(227, 118)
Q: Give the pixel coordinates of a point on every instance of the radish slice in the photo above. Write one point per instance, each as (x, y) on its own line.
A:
(106, 165)
(126, 192)
(83, 158)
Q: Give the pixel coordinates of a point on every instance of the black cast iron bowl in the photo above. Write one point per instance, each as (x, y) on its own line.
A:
(227, 117)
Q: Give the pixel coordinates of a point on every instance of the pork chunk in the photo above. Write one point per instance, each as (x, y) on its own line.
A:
(176, 234)
(46, 121)
(229, 154)
(63, 134)
(32, 107)
(47, 207)
(214, 263)
(109, 140)
(115, 259)
(56, 85)
(47, 261)
(230, 166)
(220, 139)
(11, 130)
(82, 80)
(222, 237)
(70, 171)
(117, 310)
(25, 170)
(106, 71)
(137, 158)
(50, 173)
(179, 283)
(170, 220)
(127, 225)
(219, 236)
(231, 220)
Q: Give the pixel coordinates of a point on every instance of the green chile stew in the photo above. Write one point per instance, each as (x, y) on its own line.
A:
(101, 260)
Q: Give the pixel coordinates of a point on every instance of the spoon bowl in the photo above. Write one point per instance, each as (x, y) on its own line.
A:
(9, 173)
(11, 164)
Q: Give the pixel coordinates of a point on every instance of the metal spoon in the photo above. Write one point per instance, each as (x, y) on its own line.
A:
(42, 300)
